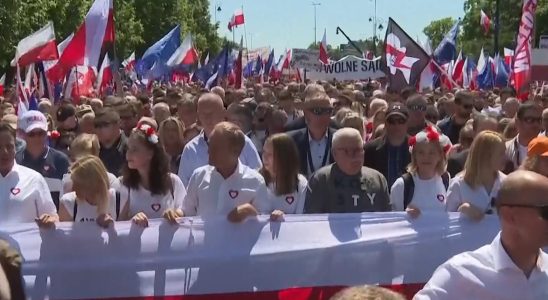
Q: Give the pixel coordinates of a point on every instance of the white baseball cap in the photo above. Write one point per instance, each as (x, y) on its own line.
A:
(33, 119)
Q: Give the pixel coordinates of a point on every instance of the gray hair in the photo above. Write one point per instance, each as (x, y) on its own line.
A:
(346, 132)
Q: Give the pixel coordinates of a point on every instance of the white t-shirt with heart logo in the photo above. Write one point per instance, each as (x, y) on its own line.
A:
(428, 195)
(153, 206)
(289, 204)
(86, 212)
(24, 196)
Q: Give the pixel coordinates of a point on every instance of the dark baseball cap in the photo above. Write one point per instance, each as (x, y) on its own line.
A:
(397, 108)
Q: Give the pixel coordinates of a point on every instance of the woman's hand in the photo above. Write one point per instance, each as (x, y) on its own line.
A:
(140, 219)
(277, 215)
(171, 215)
(241, 212)
(46, 221)
(412, 211)
(104, 220)
(471, 211)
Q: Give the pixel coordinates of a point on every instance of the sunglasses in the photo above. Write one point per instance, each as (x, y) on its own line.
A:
(531, 120)
(467, 106)
(36, 133)
(417, 108)
(321, 111)
(542, 209)
(102, 124)
(394, 121)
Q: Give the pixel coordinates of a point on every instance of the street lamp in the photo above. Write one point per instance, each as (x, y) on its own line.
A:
(217, 10)
(315, 4)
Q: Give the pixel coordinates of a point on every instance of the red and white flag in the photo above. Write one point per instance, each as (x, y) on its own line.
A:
(285, 61)
(54, 71)
(36, 47)
(2, 83)
(522, 55)
(508, 56)
(129, 63)
(237, 19)
(98, 28)
(485, 22)
(104, 77)
(458, 69)
(324, 57)
(80, 83)
(186, 54)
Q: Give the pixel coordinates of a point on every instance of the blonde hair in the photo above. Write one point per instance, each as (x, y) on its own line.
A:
(441, 167)
(89, 173)
(180, 129)
(84, 144)
(367, 292)
(354, 120)
(478, 166)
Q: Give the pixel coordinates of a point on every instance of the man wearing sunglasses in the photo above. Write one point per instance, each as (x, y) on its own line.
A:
(513, 266)
(113, 142)
(389, 154)
(528, 123)
(416, 105)
(464, 105)
(314, 141)
(37, 155)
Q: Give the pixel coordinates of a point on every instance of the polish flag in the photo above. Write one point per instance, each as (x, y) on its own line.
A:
(485, 22)
(2, 83)
(129, 63)
(324, 57)
(80, 83)
(285, 61)
(186, 54)
(105, 76)
(458, 69)
(54, 71)
(508, 56)
(98, 28)
(237, 19)
(36, 47)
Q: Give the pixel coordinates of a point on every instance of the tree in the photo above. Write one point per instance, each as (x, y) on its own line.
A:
(436, 30)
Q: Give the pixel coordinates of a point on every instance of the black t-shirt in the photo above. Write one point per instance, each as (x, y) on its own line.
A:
(115, 156)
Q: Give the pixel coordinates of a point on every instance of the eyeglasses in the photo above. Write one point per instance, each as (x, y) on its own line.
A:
(417, 108)
(394, 121)
(36, 134)
(320, 111)
(531, 120)
(542, 209)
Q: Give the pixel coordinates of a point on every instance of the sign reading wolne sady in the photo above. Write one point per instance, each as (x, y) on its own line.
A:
(348, 68)
(296, 259)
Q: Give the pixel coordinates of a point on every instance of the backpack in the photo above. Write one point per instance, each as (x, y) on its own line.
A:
(409, 187)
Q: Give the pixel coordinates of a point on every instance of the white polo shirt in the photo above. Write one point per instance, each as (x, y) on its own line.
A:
(459, 192)
(24, 196)
(86, 212)
(153, 206)
(289, 204)
(209, 193)
(486, 273)
(195, 155)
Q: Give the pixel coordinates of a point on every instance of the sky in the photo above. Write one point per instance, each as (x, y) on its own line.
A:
(285, 24)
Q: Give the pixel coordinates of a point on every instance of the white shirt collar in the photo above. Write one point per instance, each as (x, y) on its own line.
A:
(502, 261)
(238, 172)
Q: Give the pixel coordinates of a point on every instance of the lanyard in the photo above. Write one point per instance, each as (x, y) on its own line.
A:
(516, 149)
(325, 155)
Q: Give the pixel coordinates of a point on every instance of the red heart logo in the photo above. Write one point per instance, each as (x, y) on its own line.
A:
(289, 199)
(15, 191)
(441, 198)
(233, 194)
(156, 207)
(46, 168)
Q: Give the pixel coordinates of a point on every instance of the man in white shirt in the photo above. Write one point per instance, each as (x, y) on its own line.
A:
(211, 111)
(24, 193)
(225, 186)
(513, 266)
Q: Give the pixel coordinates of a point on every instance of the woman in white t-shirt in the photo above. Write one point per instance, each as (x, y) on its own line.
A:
(472, 191)
(286, 190)
(91, 200)
(424, 187)
(147, 187)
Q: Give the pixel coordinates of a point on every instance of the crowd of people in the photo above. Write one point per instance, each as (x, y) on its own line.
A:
(291, 148)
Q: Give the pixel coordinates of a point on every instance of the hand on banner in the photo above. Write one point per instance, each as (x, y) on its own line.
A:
(46, 221)
(241, 212)
(277, 215)
(140, 219)
(104, 220)
(471, 211)
(413, 212)
(171, 215)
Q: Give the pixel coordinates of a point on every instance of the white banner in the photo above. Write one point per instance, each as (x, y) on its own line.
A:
(347, 68)
(258, 259)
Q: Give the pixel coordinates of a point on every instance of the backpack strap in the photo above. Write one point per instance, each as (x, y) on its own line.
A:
(408, 189)
(445, 179)
(117, 205)
(74, 210)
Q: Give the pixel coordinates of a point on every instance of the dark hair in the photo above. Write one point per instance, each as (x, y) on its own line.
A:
(477, 118)
(144, 99)
(461, 95)
(525, 106)
(286, 161)
(508, 90)
(107, 114)
(159, 172)
(5, 126)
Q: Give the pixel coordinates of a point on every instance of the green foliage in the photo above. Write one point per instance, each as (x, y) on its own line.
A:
(436, 30)
(138, 23)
